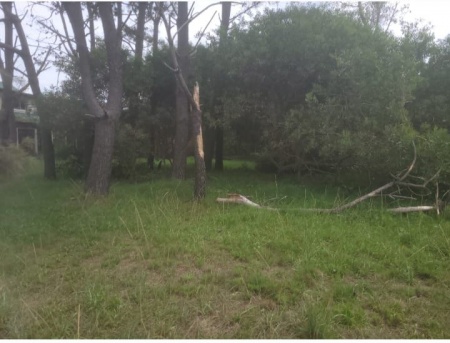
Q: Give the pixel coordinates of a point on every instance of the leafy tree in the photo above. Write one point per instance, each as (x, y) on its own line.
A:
(324, 91)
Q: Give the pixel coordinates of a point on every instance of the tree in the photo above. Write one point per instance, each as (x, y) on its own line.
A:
(7, 122)
(191, 99)
(223, 33)
(33, 80)
(106, 114)
(377, 15)
(182, 105)
(318, 91)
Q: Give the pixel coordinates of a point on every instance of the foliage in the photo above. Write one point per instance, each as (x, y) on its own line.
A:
(316, 90)
(307, 89)
(131, 144)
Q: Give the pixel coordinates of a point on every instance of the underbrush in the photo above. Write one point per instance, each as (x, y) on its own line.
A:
(12, 161)
(147, 262)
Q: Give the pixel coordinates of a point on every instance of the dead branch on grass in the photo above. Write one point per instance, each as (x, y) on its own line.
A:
(398, 182)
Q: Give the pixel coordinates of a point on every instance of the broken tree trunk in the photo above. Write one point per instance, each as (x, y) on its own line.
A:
(200, 170)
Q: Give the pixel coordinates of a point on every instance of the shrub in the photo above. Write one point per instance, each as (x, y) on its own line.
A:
(69, 162)
(71, 167)
(12, 160)
(130, 145)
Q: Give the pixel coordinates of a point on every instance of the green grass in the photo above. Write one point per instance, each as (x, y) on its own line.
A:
(148, 262)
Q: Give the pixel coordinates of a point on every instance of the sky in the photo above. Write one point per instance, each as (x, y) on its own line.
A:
(435, 13)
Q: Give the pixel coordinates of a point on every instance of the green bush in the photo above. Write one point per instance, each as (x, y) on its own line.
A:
(69, 162)
(130, 145)
(71, 167)
(12, 160)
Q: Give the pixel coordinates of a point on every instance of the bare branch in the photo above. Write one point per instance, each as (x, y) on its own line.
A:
(170, 68)
(194, 17)
(249, 8)
(203, 32)
(411, 209)
(240, 199)
(9, 47)
(66, 32)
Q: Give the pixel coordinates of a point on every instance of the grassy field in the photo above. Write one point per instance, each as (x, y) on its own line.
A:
(147, 262)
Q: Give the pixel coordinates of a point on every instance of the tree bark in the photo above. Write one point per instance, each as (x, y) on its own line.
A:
(200, 171)
(91, 15)
(182, 104)
(224, 25)
(106, 117)
(134, 102)
(209, 147)
(155, 37)
(140, 30)
(8, 131)
(99, 174)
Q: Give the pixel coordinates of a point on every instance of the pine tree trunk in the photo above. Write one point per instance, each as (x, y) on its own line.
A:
(182, 104)
(88, 144)
(224, 25)
(99, 174)
(209, 147)
(49, 154)
(9, 135)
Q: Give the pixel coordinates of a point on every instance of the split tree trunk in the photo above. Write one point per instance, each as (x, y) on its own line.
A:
(200, 171)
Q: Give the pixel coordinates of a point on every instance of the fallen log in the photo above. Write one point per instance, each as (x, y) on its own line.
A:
(412, 209)
(240, 199)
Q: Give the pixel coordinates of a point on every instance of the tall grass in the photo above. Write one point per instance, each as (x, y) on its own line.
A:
(147, 262)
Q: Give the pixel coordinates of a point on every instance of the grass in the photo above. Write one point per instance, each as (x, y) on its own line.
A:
(147, 262)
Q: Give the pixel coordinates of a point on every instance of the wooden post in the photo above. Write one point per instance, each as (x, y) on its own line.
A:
(35, 142)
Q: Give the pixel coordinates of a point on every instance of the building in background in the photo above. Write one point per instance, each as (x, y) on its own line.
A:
(26, 117)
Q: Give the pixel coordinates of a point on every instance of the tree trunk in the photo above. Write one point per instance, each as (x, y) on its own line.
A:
(99, 174)
(182, 104)
(47, 146)
(8, 130)
(134, 102)
(200, 171)
(106, 116)
(224, 25)
(91, 18)
(209, 147)
(49, 155)
(88, 144)
(155, 37)
(140, 30)
(218, 165)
